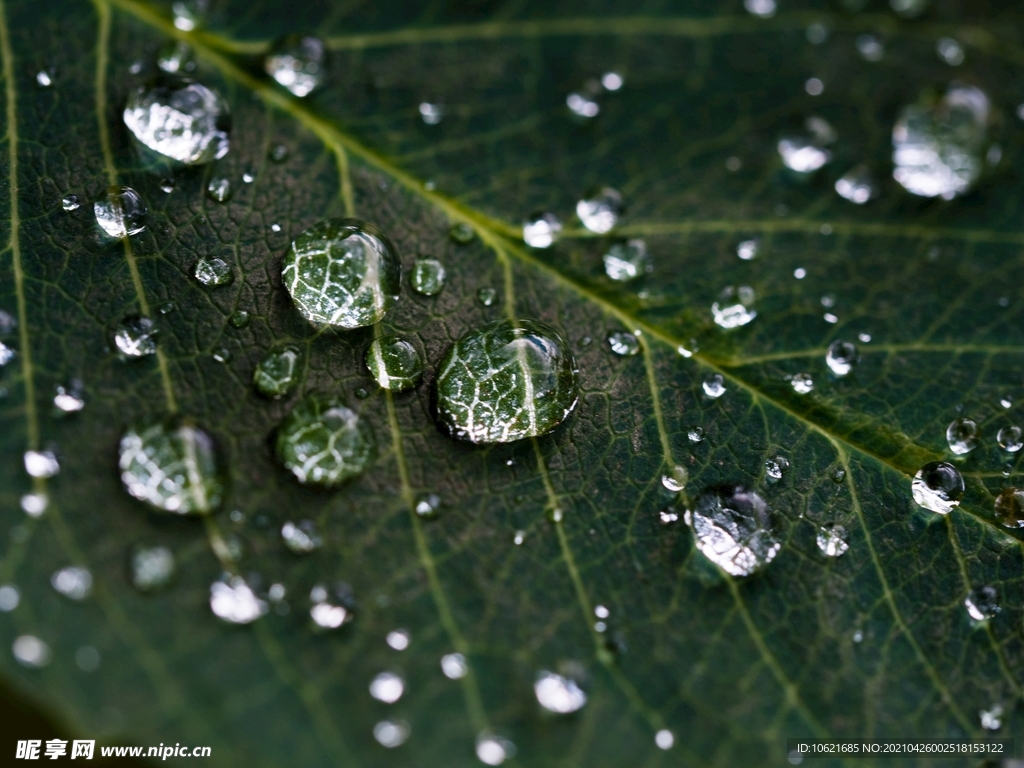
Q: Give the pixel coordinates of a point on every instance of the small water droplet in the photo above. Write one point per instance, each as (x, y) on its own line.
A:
(581, 105)
(74, 582)
(42, 464)
(612, 81)
(600, 210)
(1006, 402)
(277, 373)
(962, 436)
(166, 308)
(219, 190)
(949, 51)
(991, 719)
(627, 260)
(34, 504)
(176, 57)
(733, 528)
(668, 516)
(239, 319)
(275, 227)
(87, 658)
(519, 538)
(428, 276)
(213, 272)
(625, 344)
(1010, 439)
(135, 336)
(428, 505)
(714, 385)
(398, 639)
(152, 568)
(343, 273)
(454, 666)
(802, 383)
(775, 468)
(391, 733)
(733, 308)
(395, 363)
(558, 694)
(695, 435)
(982, 603)
(361, 392)
(492, 749)
(763, 8)
(6, 354)
(324, 614)
(675, 481)
(387, 687)
(120, 213)
(173, 468)
(799, 273)
(664, 739)
(838, 475)
(858, 636)
(9, 598)
(814, 87)
(870, 47)
(297, 62)
(908, 8)
(30, 651)
(486, 296)
(179, 119)
(541, 230)
(938, 487)
(1009, 507)
(805, 152)
(189, 14)
(431, 113)
(832, 540)
(841, 357)
(301, 538)
(504, 381)
(70, 203)
(278, 153)
(462, 233)
(222, 355)
(69, 399)
(747, 250)
(44, 78)
(321, 442)
(234, 601)
(857, 185)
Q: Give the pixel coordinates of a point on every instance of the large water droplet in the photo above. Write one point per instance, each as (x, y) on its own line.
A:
(623, 343)
(234, 601)
(454, 666)
(841, 357)
(558, 694)
(600, 210)
(342, 272)
(30, 651)
(938, 487)
(387, 687)
(733, 307)
(277, 374)
(428, 276)
(541, 230)
(135, 336)
(492, 749)
(1009, 439)
(982, 603)
(628, 260)
(42, 464)
(172, 468)
(213, 272)
(298, 62)
(857, 185)
(324, 443)
(152, 568)
(391, 733)
(504, 381)
(120, 213)
(733, 528)
(962, 436)
(1009, 507)
(937, 148)
(302, 538)
(395, 363)
(179, 119)
(832, 540)
(74, 582)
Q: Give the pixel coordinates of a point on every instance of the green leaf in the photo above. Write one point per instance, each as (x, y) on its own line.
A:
(530, 538)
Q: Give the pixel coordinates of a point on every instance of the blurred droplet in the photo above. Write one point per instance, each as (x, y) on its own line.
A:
(832, 540)
(74, 582)
(232, 600)
(857, 185)
(297, 62)
(734, 307)
(600, 210)
(41, 464)
(454, 666)
(387, 687)
(962, 436)
(627, 260)
(120, 213)
(541, 229)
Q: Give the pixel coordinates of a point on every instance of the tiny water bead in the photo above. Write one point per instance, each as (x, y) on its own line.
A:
(841, 357)
(454, 666)
(120, 213)
(74, 582)
(342, 272)
(486, 296)
(832, 540)
(70, 203)
(962, 436)
(297, 62)
(938, 147)
(733, 308)
(504, 381)
(6, 354)
(391, 733)
(428, 276)
(628, 260)
(775, 468)
(1009, 439)
(152, 568)
(949, 51)
(41, 464)
(763, 8)
(34, 504)
(802, 153)
(558, 694)
(395, 363)
(991, 719)
(69, 399)
(802, 383)
(222, 355)
(714, 386)
(600, 210)
(213, 272)
(1009, 507)
(171, 467)
(398, 639)
(938, 487)
(179, 119)
(857, 185)
(431, 113)
(234, 601)
(982, 603)
(135, 336)
(176, 57)
(870, 47)
(462, 233)
(428, 505)
(387, 687)
(44, 79)
(623, 343)
(541, 230)
(239, 319)
(492, 749)
(733, 528)
(675, 481)
(277, 374)
(321, 442)
(747, 250)
(278, 153)
(189, 14)
(219, 189)
(302, 538)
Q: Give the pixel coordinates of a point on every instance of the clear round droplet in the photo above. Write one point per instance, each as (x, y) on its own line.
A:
(623, 343)
(486, 296)
(857, 185)
(234, 601)
(734, 307)
(70, 203)
(627, 260)
(321, 442)
(600, 210)
(675, 481)
(297, 62)
(301, 538)
(74, 582)
(152, 568)
(841, 357)
(387, 687)
(1009, 439)
(454, 666)
(982, 603)
(733, 528)
(541, 230)
(938, 487)
(664, 739)
(343, 273)
(714, 386)
(1009, 507)
(395, 363)
(44, 79)
(428, 276)
(428, 505)
(504, 381)
(832, 540)
(120, 213)
(962, 436)
(213, 272)
(179, 119)
(277, 374)
(802, 383)
(557, 693)
(9, 597)
(219, 189)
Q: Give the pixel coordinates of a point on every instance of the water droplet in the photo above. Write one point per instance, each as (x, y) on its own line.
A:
(668, 516)
(628, 260)
(70, 203)
(391, 733)
(747, 250)
(6, 354)
(44, 79)
(857, 185)
(234, 601)
(387, 687)
(461, 233)
(492, 749)
(733, 308)
(298, 62)
(427, 505)
(302, 538)
(695, 435)
(775, 468)
(732, 527)
(222, 355)
(600, 209)
(870, 47)
(342, 272)
(675, 481)
(152, 568)
(41, 464)
(324, 443)
(519, 538)
(213, 272)
(541, 230)
(1009, 507)
(991, 720)
(30, 651)
(802, 383)
(180, 119)
(278, 153)
(454, 666)
(763, 8)
(431, 113)
(581, 105)
(832, 540)
(1010, 439)
(937, 147)
(814, 86)
(504, 381)
(558, 694)
(121, 213)
(172, 468)
(277, 373)
(841, 357)
(325, 614)
(949, 51)
(239, 319)
(858, 636)
(982, 603)
(398, 639)
(908, 8)
(219, 190)
(817, 33)
(135, 336)
(248, 176)
(166, 308)
(623, 343)
(802, 153)
(34, 504)
(938, 487)
(428, 276)
(189, 14)
(1006, 402)
(799, 273)
(486, 296)
(395, 363)
(962, 436)
(176, 57)
(714, 385)
(9, 598)
(69, 399)
(87, 658)
(361, 392)
(73, 582)
(664, 739)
